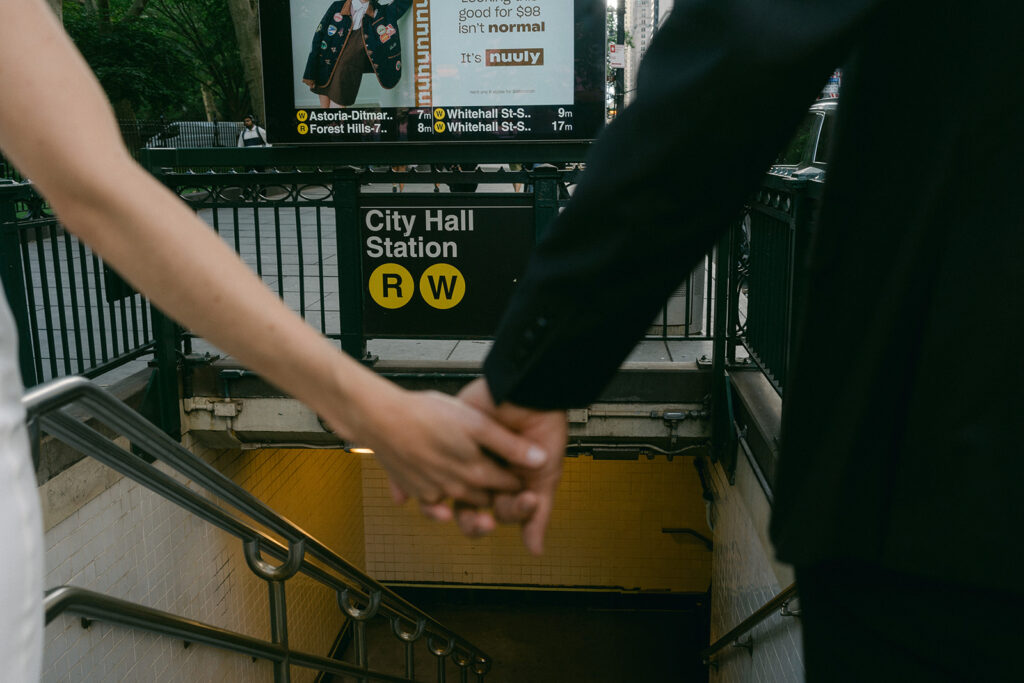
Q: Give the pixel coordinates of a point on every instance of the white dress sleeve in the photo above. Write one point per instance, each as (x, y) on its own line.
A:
(21, 526)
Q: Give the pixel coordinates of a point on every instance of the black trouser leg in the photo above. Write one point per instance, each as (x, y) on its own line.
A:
(865, 623)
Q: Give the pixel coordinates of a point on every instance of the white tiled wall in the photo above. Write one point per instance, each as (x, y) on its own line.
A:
(131, 544)
(743, 578)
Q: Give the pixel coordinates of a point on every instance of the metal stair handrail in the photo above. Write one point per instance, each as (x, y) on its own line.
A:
(92, 606)
(779, 602)
(44, 405)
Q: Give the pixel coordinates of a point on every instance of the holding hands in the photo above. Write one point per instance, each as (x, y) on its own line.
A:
(495, 463)
(532, 507)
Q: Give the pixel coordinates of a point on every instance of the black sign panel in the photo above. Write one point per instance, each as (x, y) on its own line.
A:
(441, 265)
(433, 70)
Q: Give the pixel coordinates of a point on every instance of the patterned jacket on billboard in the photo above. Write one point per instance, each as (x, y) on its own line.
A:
(380, 31)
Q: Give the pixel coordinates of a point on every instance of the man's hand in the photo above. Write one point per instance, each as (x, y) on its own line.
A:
(531, 508)
(435, 447)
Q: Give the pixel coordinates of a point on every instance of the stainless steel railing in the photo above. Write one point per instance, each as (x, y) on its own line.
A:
(779, 602)
(91, 606)
(359, 596)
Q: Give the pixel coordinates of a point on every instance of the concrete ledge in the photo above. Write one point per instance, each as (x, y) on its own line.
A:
(656, 404)
(758, 409)
(275, 421)
(66, 493)
(636, 382)
(56, 457)
(68, 479)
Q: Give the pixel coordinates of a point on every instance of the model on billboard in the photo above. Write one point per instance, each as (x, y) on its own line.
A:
(355, 37)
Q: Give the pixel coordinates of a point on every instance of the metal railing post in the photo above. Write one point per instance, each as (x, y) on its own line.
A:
(545, 198)
(275, 578)
(462, 661)
(350, 263)
(410, 661)
(279, 627)
(12, 274)
(732, 322)
(165, 353)
(362, 656)
(803, 224)
(408, 638)
(720, 424)
(440, 652)
(360, 617)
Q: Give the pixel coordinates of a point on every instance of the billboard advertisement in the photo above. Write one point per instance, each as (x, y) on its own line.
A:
(432, 70)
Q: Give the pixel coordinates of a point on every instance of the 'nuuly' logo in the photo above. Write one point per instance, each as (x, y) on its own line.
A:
(515, 57)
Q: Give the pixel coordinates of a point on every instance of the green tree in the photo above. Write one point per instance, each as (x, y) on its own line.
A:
(206, 33)
(612, 29)
(140, 66)
(611, 35)
(245, 16)
(177, 59)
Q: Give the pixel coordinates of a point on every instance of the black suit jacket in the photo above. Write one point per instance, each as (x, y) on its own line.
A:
(900, 435)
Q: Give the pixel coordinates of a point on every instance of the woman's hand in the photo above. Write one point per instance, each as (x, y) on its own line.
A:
(533, 506)
(435, 447)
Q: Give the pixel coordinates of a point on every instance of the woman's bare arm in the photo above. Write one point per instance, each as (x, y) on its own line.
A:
(430, 444)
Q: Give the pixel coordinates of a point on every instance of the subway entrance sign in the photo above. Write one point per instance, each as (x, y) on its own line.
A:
(441, 266)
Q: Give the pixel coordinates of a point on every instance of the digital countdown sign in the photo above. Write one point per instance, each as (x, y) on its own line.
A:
(433, 70)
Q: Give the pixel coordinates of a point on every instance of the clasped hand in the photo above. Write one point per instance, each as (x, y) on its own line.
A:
(472, 461)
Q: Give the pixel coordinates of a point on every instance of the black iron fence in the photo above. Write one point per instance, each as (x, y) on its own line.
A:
(767, 269)
(158, 134)
(763, 285)
(299, 230)
(75, 315)
(297, 226)
(8, 173)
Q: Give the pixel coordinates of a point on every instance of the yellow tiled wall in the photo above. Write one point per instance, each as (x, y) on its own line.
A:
(318, 490)
(605, 532)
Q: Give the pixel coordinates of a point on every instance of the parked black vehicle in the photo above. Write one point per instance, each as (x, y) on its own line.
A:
(806, 156)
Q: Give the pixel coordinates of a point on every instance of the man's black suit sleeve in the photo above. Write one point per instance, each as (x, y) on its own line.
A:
(722, 87)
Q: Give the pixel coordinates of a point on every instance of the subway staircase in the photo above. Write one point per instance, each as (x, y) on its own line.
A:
(558, 636)
(517, 633)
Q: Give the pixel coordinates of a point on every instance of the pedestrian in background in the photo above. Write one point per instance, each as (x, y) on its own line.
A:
(252, 135)
(516, 168)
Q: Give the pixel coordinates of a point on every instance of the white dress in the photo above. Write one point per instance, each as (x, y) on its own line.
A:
(21, 527)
